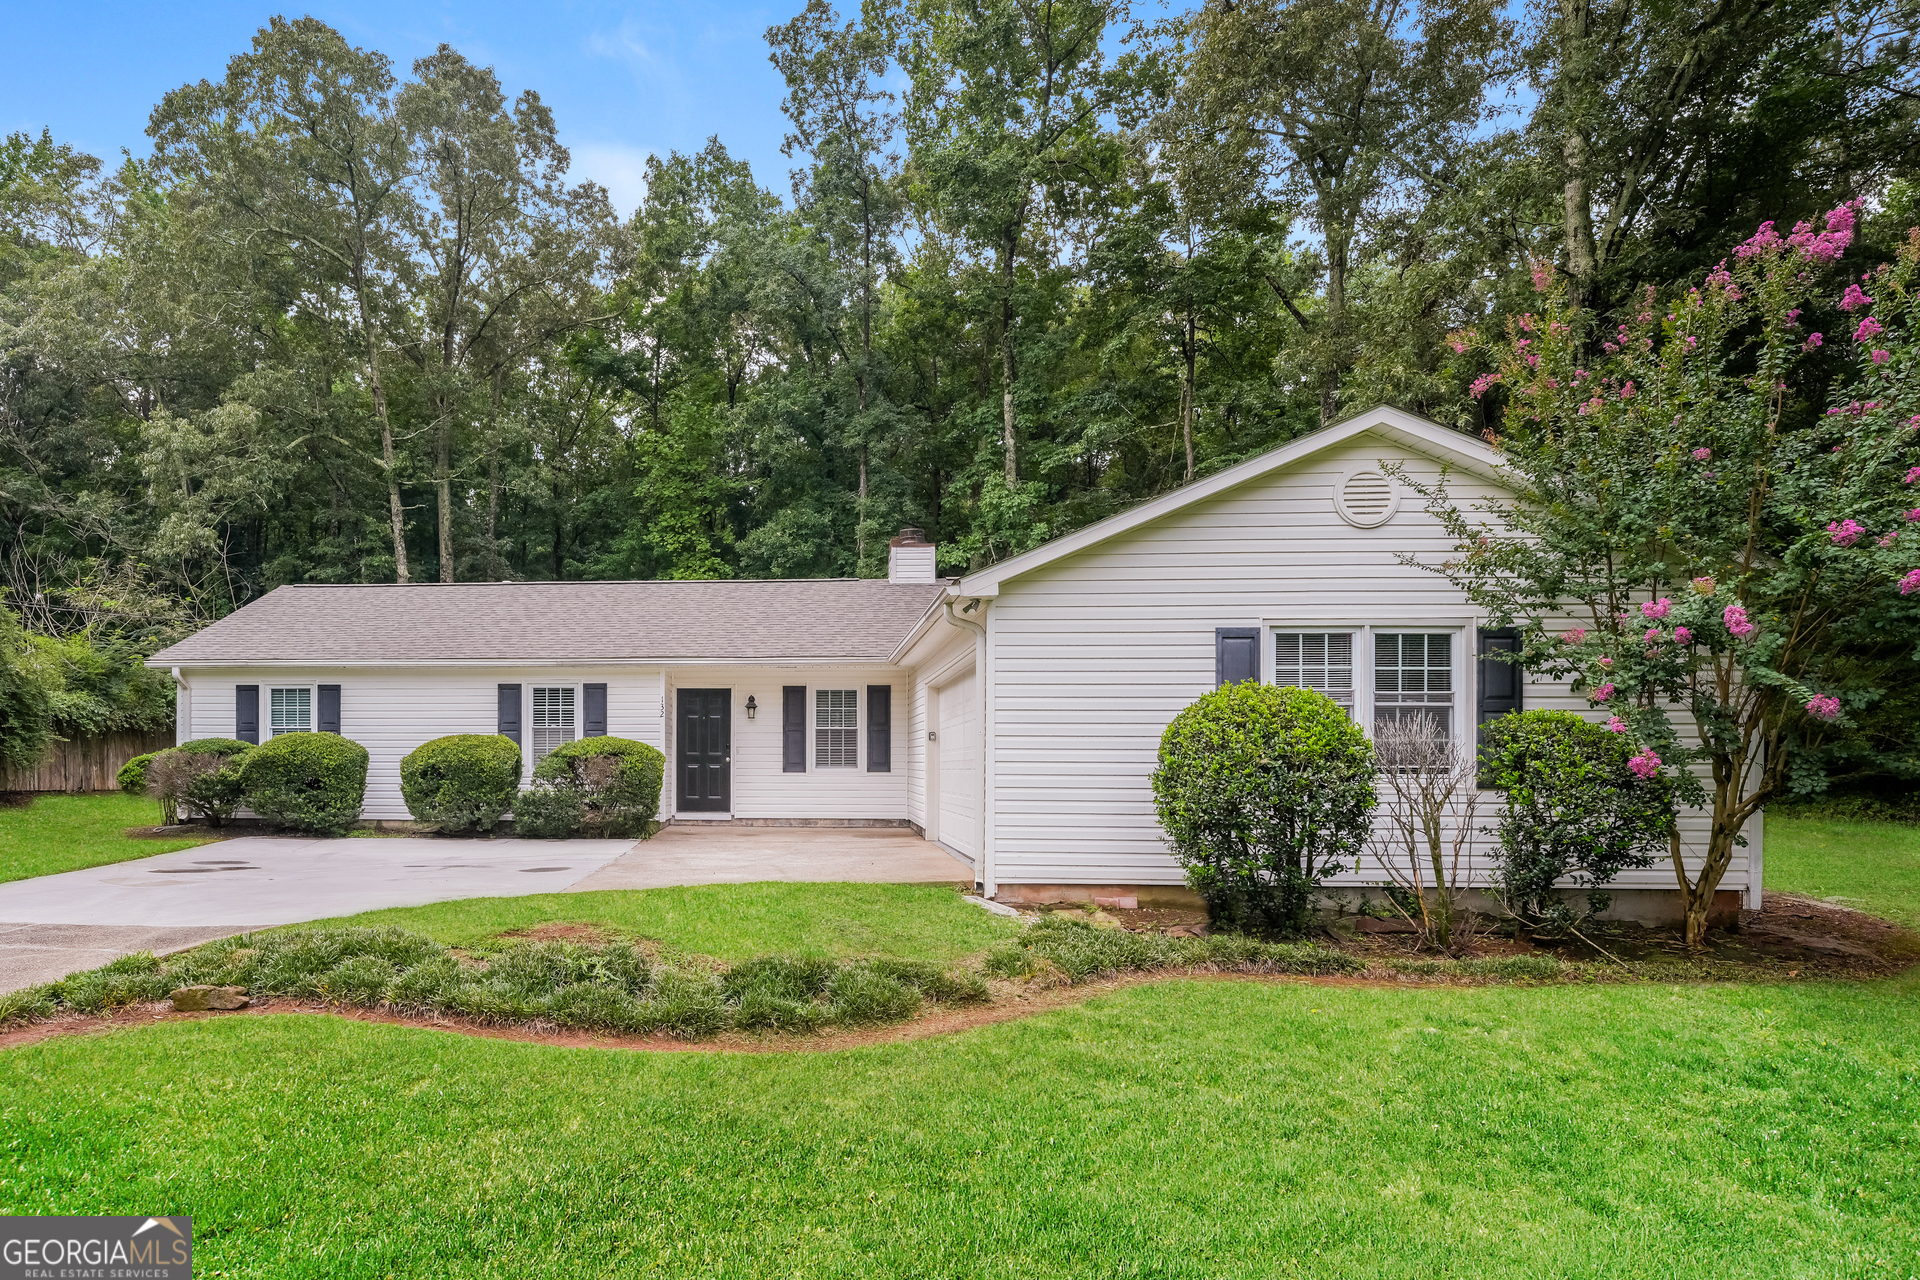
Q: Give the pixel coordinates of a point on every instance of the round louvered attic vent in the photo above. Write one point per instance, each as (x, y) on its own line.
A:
(1366, 499)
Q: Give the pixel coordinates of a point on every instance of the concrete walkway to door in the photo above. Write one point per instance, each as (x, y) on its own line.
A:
(721, 853)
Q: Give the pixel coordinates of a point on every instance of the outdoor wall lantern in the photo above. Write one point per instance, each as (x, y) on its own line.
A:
(752, 706)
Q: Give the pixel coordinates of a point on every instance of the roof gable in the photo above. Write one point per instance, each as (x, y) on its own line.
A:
(1409, 430)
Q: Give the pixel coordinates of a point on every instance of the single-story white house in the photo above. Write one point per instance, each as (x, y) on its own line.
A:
(1013, 715)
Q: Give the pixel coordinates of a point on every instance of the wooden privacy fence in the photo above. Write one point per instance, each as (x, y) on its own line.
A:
(85, 764)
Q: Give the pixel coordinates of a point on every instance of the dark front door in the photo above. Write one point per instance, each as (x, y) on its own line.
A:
(705, 750)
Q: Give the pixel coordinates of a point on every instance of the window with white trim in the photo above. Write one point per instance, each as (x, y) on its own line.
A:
(1317, 660)
(555, 718)
(1413, 676)
(289, 711)
(836, 728)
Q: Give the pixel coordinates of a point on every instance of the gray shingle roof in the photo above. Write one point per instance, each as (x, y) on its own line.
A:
(863, 619)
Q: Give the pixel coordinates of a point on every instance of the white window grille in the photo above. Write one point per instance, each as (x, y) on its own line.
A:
(1413, 677)
(553, 718)
(836, 728)
(1317, 660)
(290, 711)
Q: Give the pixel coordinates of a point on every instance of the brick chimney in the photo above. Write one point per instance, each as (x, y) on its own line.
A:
(910, 558)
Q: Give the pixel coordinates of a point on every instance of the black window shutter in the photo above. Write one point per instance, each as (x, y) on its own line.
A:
(793, 728)
(510, 712)
(246, 712)
(328, 720)
(1236, 655)
(593, 714)
(1500, 680)
(879, 728)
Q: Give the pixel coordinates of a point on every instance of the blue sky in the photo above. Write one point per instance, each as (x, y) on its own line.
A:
(622, 79)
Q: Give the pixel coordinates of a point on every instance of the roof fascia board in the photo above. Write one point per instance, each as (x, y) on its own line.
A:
(241, 664)
(1411, 430)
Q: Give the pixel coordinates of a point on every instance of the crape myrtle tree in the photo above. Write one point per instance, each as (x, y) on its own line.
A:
(1734, 559)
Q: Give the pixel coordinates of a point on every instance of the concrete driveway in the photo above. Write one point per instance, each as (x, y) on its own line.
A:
(51, 926)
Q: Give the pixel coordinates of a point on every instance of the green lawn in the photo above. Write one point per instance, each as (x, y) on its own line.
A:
(66, 833)
(731, 922)
(1203, 1129)
(1871, 866)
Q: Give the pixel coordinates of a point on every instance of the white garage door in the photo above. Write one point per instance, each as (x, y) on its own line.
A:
(959, 752)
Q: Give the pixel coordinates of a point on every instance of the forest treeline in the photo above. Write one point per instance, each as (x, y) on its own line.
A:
(1035, 260)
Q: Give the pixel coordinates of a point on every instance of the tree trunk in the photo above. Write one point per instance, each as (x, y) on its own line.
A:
(1007, 439)
(493, 483)
(394, 509)
(1335, 329)
(1576, 153)
(1186, 392)
(443, 486)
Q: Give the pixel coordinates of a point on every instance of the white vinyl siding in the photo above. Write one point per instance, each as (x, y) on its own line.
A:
(555, 719)
(289, 710)
(836, 728)
(1090, 657)
(392, 710)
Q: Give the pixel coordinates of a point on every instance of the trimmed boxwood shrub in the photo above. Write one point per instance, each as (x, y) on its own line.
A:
(462, 782)
(203, 774)
(1575, 814)
(618, 781)
(133, 774)
(133, 780)
(548, 811)
(306, 781)
(1264, 792)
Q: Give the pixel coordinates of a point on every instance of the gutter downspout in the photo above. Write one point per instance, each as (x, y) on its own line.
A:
(984, 883)
(182, 707)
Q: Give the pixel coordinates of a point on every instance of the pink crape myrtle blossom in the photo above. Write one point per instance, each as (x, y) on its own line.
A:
(1653, 636)
(1481, 383)
(1880, 356)
(1701, 455)
(1814, 342)
(1854, 299)
(1825, 707)
(1703, 586)
(1682, 635)
(1868, 330)
(1738, 625)
(1601, 694)
(1654, 610)
(1606, 662)
(1912, 515)
(1645, 765)
(1910, 583)
(1912, 476)
(1845, 532)
(1886, 539)
(1573, 635)
(1616, 725)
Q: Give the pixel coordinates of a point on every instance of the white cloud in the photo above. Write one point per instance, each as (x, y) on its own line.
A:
(620, 168)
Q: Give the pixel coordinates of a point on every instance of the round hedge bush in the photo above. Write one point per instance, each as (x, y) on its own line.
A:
(462, 782)
(1264, 792)
(133, 774)
(312, 782)
(618, 781)
(1575, 815)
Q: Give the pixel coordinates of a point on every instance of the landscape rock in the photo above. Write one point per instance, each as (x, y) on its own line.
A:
(200, 999)
(1368, 924)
